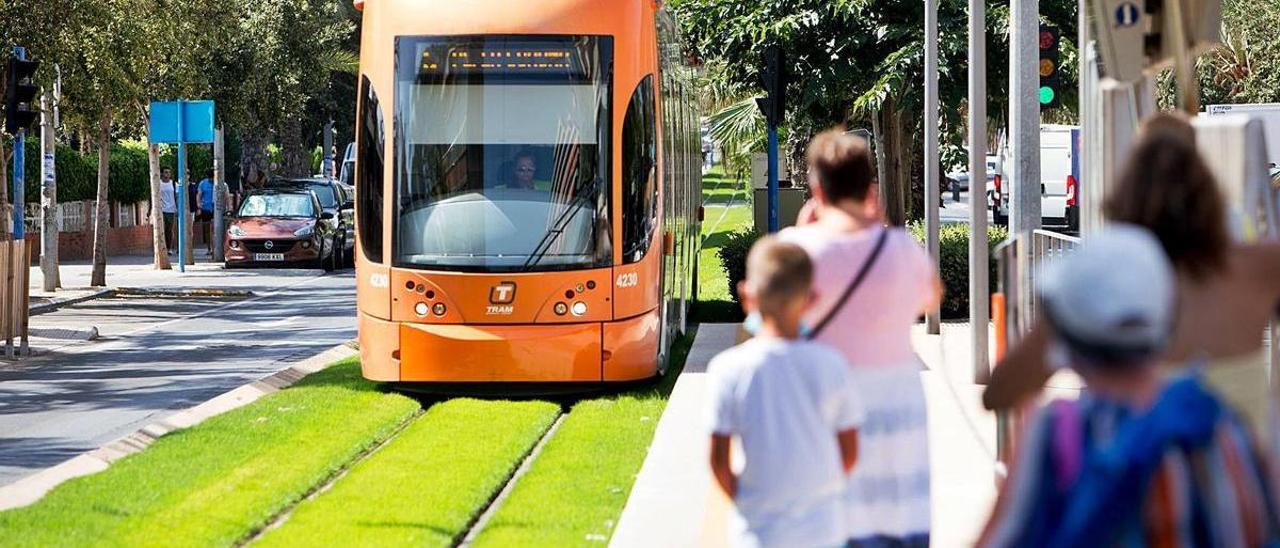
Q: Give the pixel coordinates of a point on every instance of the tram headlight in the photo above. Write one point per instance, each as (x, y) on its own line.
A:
(439, 309)
(562, 309)
(579, 308)
(420, 309)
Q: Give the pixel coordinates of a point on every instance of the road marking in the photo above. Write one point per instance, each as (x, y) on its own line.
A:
(283, 322)
(227, 306)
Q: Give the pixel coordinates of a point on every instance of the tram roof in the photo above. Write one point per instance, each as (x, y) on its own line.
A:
(453, 17)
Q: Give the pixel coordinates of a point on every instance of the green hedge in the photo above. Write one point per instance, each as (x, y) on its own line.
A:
(129, 180)
(953, 247)
(953, 263)
(733, 257)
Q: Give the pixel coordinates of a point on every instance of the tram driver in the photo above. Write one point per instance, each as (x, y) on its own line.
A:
(524, 168)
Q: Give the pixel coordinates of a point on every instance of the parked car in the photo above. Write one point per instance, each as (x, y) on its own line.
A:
(334, 198)
(283, 226)
(960, 179)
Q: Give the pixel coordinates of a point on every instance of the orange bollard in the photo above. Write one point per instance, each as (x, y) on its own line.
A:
(1002, 330)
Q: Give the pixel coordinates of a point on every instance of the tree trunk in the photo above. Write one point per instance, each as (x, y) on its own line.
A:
(48, 199)
(894, 187)
(159, 246)
(99, 276)
(253, 159)
(295, 159)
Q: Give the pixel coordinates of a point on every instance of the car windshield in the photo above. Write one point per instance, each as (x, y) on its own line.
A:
(323, 191)
(278, 205)
(502, 152)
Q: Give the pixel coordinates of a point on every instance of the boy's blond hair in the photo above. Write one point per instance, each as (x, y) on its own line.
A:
(777, 273)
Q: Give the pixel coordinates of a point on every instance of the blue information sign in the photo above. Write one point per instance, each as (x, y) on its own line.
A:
(182, 122)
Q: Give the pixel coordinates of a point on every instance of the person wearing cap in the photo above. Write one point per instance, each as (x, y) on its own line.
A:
(1138, 460)
(1227, 291)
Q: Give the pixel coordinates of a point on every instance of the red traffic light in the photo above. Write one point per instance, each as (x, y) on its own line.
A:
(1048, 39)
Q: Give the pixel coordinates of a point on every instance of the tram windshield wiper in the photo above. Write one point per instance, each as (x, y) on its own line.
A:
(579, 199)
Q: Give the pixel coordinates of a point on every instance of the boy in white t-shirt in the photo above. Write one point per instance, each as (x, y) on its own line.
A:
(788, 403)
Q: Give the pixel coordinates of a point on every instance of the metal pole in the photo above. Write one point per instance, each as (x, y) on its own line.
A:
(773, 178)
(48, 198)
(19, 167)
(979, 286)
(1024, 114)
(931, 190)
(182, 204)
(327, 165)
(219, 194)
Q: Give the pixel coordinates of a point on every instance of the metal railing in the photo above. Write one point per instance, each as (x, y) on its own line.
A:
(1015, 304)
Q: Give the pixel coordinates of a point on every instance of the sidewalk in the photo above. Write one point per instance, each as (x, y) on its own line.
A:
(673, 503)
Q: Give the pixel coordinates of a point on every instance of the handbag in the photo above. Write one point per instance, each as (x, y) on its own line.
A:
(853, 285)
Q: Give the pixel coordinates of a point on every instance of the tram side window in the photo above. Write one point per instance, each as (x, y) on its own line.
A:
(369, 172)
(639, 175)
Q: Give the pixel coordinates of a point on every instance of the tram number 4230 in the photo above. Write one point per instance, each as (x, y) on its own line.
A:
(630, 279)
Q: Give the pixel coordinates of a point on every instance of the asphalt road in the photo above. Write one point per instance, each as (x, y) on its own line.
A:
(158, 355)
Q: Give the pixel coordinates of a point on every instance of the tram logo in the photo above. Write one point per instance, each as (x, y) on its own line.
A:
(503, 293)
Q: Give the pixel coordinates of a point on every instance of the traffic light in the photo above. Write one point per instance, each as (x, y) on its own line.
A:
(1050, 82)
(19, 95)
(773, 77)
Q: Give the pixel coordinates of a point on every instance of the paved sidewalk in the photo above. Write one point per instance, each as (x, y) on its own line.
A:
(137, 272)
(673, 503)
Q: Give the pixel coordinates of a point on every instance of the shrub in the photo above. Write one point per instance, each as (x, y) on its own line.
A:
(953, 263)
(733, 258)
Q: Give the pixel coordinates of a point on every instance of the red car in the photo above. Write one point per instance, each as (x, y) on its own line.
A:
(282, 227)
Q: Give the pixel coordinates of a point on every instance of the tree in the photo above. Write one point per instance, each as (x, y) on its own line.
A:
(859, 63)
(1246, 67)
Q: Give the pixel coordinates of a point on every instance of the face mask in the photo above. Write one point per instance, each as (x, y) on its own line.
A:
(754, 321)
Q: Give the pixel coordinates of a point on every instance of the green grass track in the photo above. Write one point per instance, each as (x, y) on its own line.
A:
(575, 490)
(426, 486)
(219, 481)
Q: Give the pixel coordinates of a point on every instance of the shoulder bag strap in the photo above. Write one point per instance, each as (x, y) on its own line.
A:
(853, 285)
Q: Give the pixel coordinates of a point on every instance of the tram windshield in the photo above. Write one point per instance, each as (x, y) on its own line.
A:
(501, 150)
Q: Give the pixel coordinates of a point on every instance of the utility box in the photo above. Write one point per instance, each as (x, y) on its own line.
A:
(790, 200)
(760, 170)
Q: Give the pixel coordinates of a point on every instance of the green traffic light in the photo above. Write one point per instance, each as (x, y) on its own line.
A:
(1046, 95)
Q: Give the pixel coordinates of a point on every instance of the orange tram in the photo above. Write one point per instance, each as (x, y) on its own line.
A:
(528, 191)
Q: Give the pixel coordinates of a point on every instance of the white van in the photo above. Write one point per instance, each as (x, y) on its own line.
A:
(1059, 180)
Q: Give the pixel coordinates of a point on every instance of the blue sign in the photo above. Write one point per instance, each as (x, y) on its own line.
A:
(1127, 15)
(182, 122)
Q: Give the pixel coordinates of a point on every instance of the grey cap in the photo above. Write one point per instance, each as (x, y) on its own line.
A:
(1112, 300)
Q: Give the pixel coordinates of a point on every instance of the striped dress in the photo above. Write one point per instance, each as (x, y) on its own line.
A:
(1216, 492)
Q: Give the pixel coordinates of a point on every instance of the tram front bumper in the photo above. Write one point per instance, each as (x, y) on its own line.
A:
(496, 353)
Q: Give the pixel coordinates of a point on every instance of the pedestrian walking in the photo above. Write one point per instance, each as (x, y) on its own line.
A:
(205, 193)
(169, 207)
(1136, 461)
(789, 403)
(1226, 291)
(873, 283)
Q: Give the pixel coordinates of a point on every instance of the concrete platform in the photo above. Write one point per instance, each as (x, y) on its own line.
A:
(673, 502)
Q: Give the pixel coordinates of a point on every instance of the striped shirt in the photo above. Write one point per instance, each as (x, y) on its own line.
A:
(1212, 492)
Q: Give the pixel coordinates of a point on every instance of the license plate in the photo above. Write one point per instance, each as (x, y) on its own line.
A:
(268, 256)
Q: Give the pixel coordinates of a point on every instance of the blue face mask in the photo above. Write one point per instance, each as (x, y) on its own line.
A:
(754, 321)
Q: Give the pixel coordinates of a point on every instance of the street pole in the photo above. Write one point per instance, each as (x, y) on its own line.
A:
(48, 198)
(219, 193)
(326, 167)
(931, 190)
(1087, 194)
(1024, 114)
(979, 286)
(773, 178)
(19, 169)
(182, 205)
